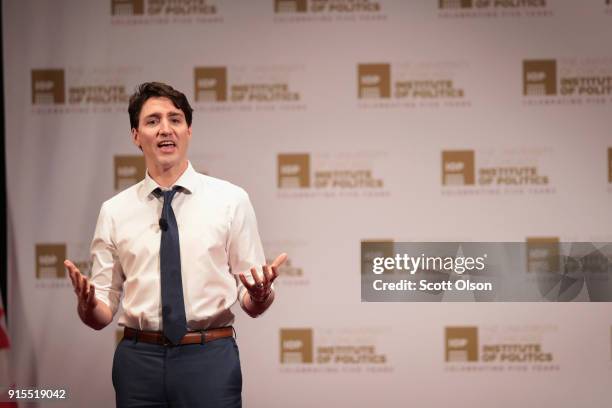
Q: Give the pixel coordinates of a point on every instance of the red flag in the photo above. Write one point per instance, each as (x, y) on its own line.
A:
(5, 346)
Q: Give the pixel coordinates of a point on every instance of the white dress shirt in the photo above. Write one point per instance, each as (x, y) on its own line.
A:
(218, 239)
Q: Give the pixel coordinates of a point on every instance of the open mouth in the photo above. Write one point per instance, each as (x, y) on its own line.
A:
(166, 146)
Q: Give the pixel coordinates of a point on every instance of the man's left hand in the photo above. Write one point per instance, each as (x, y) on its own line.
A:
(262, 286)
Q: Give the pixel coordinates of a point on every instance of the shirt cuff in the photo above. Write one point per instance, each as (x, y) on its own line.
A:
(265, 305)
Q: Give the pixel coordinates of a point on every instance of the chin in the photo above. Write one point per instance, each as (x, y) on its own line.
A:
(170, 161)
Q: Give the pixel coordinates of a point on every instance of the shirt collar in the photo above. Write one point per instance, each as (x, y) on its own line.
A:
(186, 181)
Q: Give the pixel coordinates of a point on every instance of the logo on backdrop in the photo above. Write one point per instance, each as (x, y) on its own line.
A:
(333, 350)
(290, 6)
(80, 90)
(296, 346)
(139, 12)
(569, 271)
(371, 249)
(494, 348)
(127, 7)
(330, 175)
(540, 77)
(294, 170)
(48, 86)
(326, 6)
(493, 8)
(129, 170)
(248, 88)
(374, 80)
(458, 168)
(543, 254)
(211, 84)
(289, 11)
(461, 344)
(454, 4)
(567, 81)
(50, 261)
(501, 171)
(421, 84)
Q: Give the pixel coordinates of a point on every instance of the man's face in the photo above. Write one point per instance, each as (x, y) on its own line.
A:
(162, 134)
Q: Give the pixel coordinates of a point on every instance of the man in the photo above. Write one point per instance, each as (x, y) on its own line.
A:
(169, 248)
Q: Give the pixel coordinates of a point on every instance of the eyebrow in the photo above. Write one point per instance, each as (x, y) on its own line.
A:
(158, 114)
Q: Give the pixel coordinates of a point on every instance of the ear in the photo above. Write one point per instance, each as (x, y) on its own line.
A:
(135, 138)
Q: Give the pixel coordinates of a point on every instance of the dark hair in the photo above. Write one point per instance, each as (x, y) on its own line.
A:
(157, 90)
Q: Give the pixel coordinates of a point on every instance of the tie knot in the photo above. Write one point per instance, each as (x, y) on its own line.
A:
(167, 194)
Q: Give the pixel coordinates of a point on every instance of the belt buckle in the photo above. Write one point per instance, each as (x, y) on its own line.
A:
(166, 342)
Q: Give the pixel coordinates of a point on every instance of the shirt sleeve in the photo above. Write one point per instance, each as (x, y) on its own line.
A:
(244, 244)
(106, 271)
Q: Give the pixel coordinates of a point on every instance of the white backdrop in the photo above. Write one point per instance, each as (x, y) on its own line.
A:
(335, 116)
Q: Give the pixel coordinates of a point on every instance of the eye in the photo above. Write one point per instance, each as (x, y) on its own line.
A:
(151, 121)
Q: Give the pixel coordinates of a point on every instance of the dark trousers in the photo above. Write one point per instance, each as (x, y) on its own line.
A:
(194, 375)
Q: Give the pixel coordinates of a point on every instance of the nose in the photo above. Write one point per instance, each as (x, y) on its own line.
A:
(164, 127)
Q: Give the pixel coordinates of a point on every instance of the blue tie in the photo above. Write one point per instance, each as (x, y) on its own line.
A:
(173, 305)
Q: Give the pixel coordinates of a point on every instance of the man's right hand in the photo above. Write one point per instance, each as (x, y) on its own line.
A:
(85, 291)
(92, 312)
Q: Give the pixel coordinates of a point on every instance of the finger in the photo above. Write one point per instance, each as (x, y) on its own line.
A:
(71, 271)
(79, 288)
(91, 298)
(72, 277)
(84, 287)
(280, 260)
(256, 276)
(68, 263)
(267, 272)
(78, 282)
(71, 266)
(274, 273)
(88, 289)
(244, 281)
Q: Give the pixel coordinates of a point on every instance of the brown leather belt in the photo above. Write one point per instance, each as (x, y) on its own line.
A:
(199, 337)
